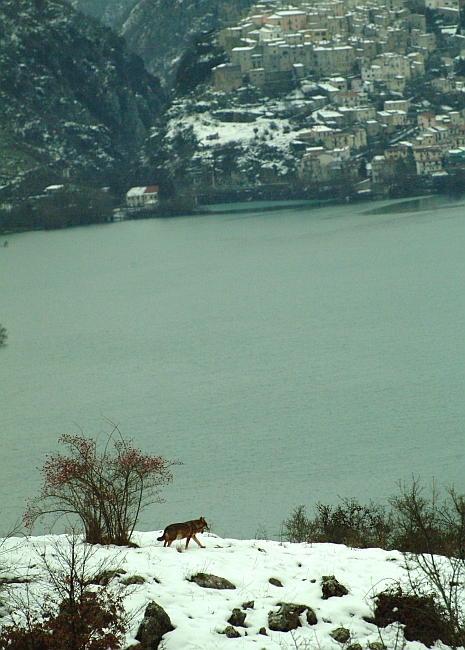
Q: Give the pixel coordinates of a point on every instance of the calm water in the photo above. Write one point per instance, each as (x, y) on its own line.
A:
(285, 357)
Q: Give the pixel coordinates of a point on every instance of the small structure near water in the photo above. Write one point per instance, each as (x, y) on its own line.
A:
(139, 197)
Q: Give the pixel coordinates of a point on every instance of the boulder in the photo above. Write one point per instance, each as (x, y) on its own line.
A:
(211, 581)
(341, 634)
(133, 580)
(155, 624)
(311, 616)
(237, 618)
(106, 576)
(331, 587)
(231, 633)
(287, 617)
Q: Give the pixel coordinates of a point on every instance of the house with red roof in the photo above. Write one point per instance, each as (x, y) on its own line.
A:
(140, 197)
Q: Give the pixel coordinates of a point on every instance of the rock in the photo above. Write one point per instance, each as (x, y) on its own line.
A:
(287, 617)
(106, 576)
(275, 582)
(376, 645)
(340, 634)
(248, 605)
(331, 587)
(262, 631)
(211, 581)
(354, 646)
(369, 619)
(133, 580)
(231, 633)
(311, 617)
(155, 624)
(237, 618)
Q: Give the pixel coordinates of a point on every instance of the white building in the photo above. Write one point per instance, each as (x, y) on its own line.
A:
(138, 197)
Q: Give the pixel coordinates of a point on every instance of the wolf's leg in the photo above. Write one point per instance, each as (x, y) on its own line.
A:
(196, 540)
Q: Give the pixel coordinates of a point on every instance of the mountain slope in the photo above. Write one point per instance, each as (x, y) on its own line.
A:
(71, 97)
(110, 12)
(161, 31)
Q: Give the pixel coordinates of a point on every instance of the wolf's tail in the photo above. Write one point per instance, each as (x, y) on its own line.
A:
(161, 539)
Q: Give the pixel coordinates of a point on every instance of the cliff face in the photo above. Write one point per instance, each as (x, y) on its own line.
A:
(110, 12)
(71, 96)
(162, 31)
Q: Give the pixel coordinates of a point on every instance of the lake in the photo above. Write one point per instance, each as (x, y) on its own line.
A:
(285, 357)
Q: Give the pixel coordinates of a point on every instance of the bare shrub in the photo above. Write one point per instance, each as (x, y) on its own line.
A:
(89, 623)
(354, 524)
(348, 523)
(105, 488)
(67, 611)
(298, 528)
(430, 530)
(427, 522)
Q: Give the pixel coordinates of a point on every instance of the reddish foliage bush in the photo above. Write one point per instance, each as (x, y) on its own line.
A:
(106, 491)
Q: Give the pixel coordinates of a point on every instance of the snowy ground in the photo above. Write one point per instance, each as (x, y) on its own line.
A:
(211, 132)
(199, 615)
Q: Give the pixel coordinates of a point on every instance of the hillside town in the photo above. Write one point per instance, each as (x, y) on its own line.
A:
(327, 100)
(387, 45)
(374, 92)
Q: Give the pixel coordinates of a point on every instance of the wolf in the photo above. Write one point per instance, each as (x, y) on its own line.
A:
(186, 529)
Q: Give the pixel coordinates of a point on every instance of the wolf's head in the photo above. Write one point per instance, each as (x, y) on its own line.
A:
(202, 524)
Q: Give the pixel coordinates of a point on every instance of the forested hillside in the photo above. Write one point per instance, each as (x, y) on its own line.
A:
(71, 97)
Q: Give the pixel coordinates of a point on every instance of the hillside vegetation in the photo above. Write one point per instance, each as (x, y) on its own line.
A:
(71, 97)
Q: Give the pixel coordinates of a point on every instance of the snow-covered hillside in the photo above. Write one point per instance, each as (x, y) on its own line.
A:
(238, 141)
(200, 615)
